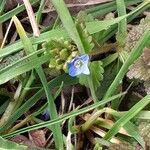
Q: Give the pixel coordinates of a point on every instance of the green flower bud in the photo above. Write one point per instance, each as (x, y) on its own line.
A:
(64, 54)
(74, 53)
(82, 25)
(57, 57)
(59, 67)
(90, 38)
(53, 52)
(58, 61)
(51, 66)
(44, 45)
(47, 45)
(65, 67)
(67, 43)
(69, 59)
(61, 40)
(86, 32)
(73, 48)
(52, 63)
(70, 47)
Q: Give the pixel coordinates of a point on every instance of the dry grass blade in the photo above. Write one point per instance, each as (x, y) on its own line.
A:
(73, 3)
(106, 123)
(102, 134)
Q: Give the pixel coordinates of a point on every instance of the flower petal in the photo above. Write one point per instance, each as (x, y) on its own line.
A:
(45, 115)
(85, 70)
(85, 58)
(73, 71)
(79, 65)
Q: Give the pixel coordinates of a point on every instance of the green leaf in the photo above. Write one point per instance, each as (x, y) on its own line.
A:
(144, 115)
(68, 23)
(122, 26)
(2, 6)
(29, 48)
(21, 66)
(105, 8)
(85, 37)
(96, 26)
(133, 131)
(47, 36)
(6, 145)
(96, 71)
(104, 25)
(108, 77)
(10, 59)
(84, 17)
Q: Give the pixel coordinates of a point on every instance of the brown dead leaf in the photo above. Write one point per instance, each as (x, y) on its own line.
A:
(146, 56)
(147, 86)
(12, 3)
(71, 3)
(38, 137)
(21, 139)
(85, 2)
(139, 70)
(78, 3)
(102, 133)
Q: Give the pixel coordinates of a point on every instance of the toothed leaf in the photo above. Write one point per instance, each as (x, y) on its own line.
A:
(96, 71)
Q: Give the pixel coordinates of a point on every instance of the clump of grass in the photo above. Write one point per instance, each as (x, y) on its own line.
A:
(94, 114)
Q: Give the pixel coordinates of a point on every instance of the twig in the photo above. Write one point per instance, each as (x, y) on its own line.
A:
(6, 34)
(31, 16)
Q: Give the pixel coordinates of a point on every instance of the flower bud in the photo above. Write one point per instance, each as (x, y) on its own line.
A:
(65, 67)
(64, 54)
(53, 52)
(59, 67)
(74, 54)
(52, 63)
(58, 61)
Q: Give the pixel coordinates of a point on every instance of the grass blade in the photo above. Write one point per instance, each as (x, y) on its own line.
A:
(128, 116)
(122, 26)
(21, 66)
(15, 11)
(56, 129)
(67, 80)
(64, 117)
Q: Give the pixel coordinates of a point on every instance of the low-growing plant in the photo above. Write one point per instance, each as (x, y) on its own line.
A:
(78, 51)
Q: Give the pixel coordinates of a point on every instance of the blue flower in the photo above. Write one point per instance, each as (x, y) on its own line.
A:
(79, 65)
(45, 115)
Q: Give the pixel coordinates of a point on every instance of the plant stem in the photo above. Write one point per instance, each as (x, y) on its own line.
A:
(91, 86)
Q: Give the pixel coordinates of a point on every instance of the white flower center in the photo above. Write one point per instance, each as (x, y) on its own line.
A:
(78, 63)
